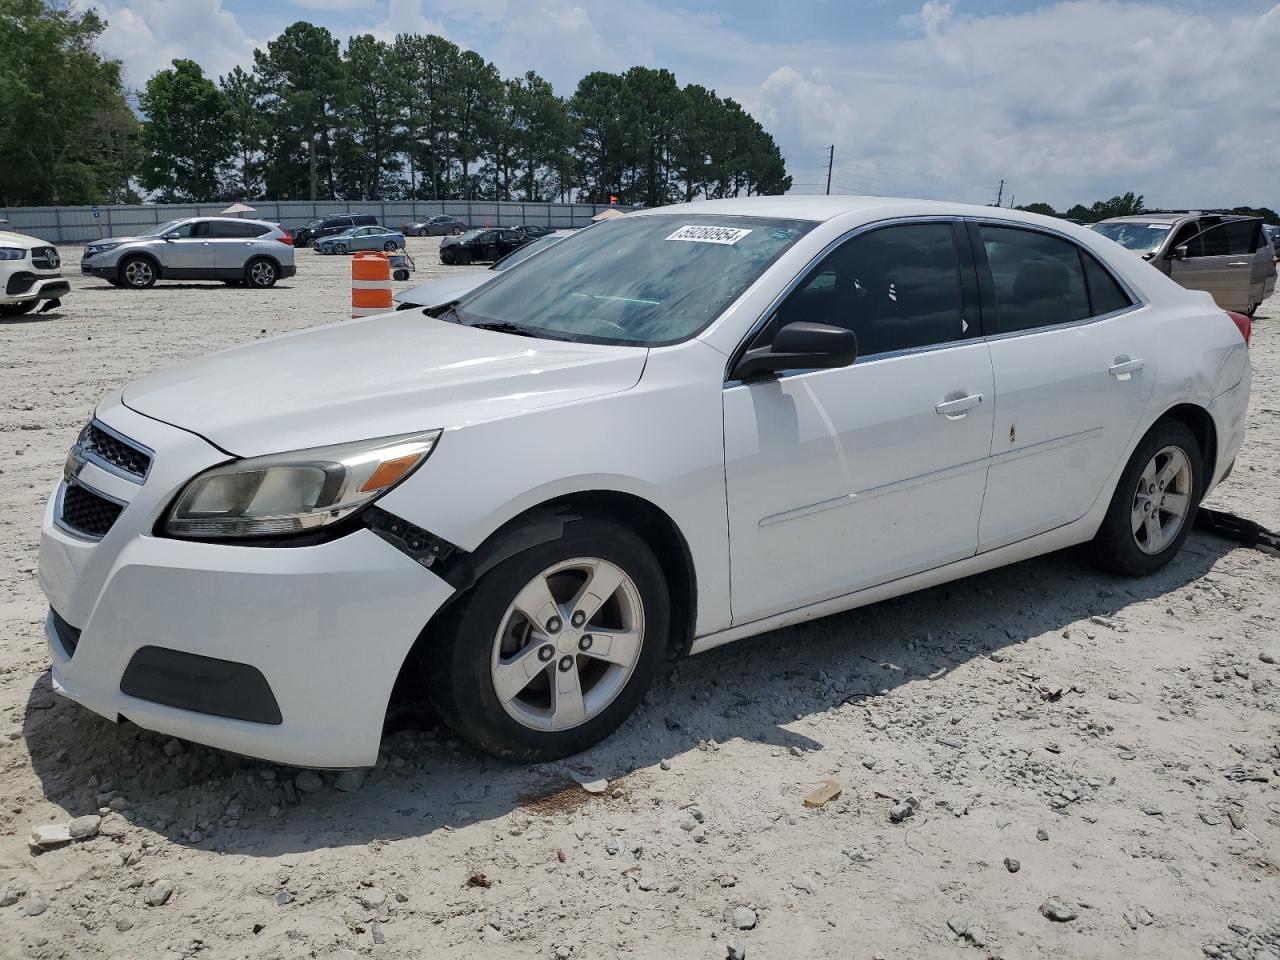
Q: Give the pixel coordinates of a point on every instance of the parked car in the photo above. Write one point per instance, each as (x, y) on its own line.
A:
(314, 229)
(229, 249)
(361, 238)
(441, 292)
(533, 231)
(30, 274)
(1272, 233)
(1226, 256)
(476, 246)
(437, 227)
(672, 430)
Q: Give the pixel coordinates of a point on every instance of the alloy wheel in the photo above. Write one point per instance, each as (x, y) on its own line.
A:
(138, 273)
(567, 644)
(1162, 500)
(262, 274)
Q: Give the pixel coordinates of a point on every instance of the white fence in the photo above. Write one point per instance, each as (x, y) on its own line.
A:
(82, 224)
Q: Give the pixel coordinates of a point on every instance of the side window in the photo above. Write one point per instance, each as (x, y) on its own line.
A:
(1037, 280)
(1105, 295)
(183, 231)
(1241, 236)
(226, 228)
(895, 288)
(1213, 242)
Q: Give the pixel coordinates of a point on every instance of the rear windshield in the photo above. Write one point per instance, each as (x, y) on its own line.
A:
(646, 280)
(1142, 237)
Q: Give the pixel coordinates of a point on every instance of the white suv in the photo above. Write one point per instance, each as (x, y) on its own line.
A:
(30, 272)
(671, 430)
(235, 251)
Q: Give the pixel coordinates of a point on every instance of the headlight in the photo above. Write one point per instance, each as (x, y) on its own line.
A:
(12, 253)
(292, 492)
(94, 249)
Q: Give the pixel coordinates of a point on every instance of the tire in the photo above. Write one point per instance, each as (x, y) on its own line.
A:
(390, 246)
(138, 272)
(482, 637)
(339, 248)
(1127, 552)
(462, 257)
(309, 242)
(447, 257)
(17, 309)
(262, 273)
(1251, 309)
(458, 231)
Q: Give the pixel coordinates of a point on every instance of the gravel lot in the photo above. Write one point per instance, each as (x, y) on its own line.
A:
(1083, 767)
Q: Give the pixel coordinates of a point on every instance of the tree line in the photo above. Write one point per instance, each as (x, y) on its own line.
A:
(1129, 205)
(413, 118)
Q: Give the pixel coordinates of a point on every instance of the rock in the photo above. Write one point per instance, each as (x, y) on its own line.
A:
(901, 812)
(373, 898)
(308, 781)
(744, 918)
(594, 786)
(13, 892)
(124, 924)
(614, 847)
(50, 835)
(159, 893)
(735, 951)
(869, 762)
(646, 883)
(82, 828)
(1057, 911)
(1266, 657)
(34, 907)
(823, 793)
(1042, 834)
(172, 747)
(1012, 865)
(977, 936)
(958, 926)
(348, 781)
(664, 764)
(1151, 811)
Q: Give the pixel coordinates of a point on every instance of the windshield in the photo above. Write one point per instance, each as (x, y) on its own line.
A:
(1143, 237)
(469, 235)
(160, 229)
(520, 254)
(646, 280)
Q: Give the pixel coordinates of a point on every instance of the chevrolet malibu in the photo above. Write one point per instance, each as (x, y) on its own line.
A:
(676, 429)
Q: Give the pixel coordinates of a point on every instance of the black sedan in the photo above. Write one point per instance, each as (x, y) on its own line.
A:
(481, 246)
(441, 226)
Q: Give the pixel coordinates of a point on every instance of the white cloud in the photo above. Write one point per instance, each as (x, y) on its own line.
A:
(341, 5)
(406, 16)
(149, 34)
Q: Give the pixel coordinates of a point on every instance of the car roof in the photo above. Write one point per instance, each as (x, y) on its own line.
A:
(1150, 218)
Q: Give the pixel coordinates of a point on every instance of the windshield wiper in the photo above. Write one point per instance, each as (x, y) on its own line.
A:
(506, 326)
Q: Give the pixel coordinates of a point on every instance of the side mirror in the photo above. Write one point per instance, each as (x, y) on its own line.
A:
(800, 346)
(1180, 252)
(171, 236)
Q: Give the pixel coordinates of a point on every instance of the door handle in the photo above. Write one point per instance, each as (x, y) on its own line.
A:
(1124, 368)
(957, 407)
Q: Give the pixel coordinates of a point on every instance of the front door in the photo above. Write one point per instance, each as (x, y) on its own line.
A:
(1213, 265)
(189, 253)
(1074, 367)
(842, 479)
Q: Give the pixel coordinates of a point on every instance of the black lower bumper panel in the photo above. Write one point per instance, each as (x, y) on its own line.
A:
(220, 688)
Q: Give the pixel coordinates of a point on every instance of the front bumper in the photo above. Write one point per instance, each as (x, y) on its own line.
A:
(39, 287)
(104, 270)
(325, 627)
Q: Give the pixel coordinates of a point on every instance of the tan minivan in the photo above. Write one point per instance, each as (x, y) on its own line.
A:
(1228, 256)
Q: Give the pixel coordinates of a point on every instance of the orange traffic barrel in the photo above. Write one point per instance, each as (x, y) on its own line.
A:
(370, 283)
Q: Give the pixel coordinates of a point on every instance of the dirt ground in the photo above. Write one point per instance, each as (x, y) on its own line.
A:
(1065, 743)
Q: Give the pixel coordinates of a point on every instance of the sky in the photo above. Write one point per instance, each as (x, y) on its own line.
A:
(1065, 101)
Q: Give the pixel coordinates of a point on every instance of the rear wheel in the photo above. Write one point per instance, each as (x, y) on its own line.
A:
(458, 231)
(261, 273)
(137, 272)
(1154, 506)
(553, 648)
(17, 309)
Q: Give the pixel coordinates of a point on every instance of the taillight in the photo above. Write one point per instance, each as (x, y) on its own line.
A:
(1243, 324)
(285, 239)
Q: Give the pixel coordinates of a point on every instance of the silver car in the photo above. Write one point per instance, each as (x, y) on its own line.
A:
(1227, 256)
(229, 249)
(361, 238)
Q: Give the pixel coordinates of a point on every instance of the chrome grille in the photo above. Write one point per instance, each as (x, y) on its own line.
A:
(46, 258)
(112, 450)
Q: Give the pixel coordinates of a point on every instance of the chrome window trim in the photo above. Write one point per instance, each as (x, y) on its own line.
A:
(57, 509)
(111, 468)
(759, 323)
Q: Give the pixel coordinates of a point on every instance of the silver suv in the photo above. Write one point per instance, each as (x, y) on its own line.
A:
(229, 249)
(1227, 256)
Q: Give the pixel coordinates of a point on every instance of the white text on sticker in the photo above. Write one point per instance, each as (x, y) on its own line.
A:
(728, 235)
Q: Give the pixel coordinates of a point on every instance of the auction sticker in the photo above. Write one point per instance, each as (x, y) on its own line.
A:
(729, 235)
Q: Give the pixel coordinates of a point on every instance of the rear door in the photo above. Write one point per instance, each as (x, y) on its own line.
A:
(1073, 365)
(233, 245)
(842, 479)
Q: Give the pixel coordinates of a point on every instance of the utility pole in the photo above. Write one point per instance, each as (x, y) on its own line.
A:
(831, 159)
(311, 153)
(999, 194)
(1011, 199)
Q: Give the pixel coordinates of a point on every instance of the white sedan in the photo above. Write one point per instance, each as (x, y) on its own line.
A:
(676, 429)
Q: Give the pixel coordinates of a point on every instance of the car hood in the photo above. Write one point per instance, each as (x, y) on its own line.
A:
(378, 377)
(22, 240)
(98, 243)
(437, 293)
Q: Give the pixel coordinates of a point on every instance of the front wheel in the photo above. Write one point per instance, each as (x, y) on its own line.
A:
(261, 273)
(17, 309)
(138, 272)
(390, 246)
(553, 648)
(339, 248)
(1154, 506)
(1251, 309)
